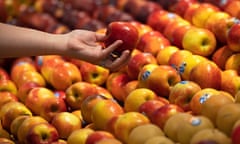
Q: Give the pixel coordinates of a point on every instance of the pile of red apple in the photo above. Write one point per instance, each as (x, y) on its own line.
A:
(181, 84)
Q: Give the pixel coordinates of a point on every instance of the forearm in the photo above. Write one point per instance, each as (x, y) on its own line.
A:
(18, 41)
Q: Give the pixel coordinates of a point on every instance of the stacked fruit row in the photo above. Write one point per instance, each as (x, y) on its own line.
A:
(181, 84)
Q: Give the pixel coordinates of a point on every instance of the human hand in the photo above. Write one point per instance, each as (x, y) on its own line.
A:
(86, 45)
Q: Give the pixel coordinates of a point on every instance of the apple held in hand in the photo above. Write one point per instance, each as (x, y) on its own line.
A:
(122, 31)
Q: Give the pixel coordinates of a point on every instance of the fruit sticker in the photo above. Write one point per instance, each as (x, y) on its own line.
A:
(181, 68)
(195, 121)
(145, 75)
(203, 98)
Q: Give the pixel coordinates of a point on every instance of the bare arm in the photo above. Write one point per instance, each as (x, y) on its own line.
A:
(82, 44)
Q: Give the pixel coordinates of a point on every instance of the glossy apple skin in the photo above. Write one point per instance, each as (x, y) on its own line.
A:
(122, 31)
(233, 37)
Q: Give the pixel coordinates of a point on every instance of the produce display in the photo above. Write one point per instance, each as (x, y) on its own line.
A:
(180, 86)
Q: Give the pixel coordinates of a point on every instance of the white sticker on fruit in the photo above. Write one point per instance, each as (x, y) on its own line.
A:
(203, 98)
(195, 121)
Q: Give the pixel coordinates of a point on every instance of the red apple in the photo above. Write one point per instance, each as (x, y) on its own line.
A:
(6, 97)
(93, 73)
(4, 74)
(207, 75)
(152, 42)
(161, 84)
(221, 55)
(103, 111)
(233, 36)
(79, 136)
(8, 85)
(96, 136)
(115, 84)
(42, 133)
(77, 92)
(180, 7)
(182, 93)
(24, 89)
(66, 123)
(121, 31)
(162, 114)
(64, 74)
(136, 63)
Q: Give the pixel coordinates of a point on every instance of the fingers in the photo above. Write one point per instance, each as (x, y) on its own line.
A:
(112, 47)
(120, 61)
(100, 37)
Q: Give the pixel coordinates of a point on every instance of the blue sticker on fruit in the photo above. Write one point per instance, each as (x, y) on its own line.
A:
(203, 98)
(145, 75)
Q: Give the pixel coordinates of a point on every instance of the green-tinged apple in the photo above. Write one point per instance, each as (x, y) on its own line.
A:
(103, 111)
(31, 76)
(209, 134)
(88, 104)
(226, 117)
(20, 66)
(94, 74)
(164, 54)
(26, 125)
(176, 59)
(24, 89)
(115, 84)
(191, 126)
(136, 63)
(144, 74)
(233, 62)
(148, 107)
(77, 92)
(207, 75)
(213, 103)
(235, 133)
(16, 123)
(171, 127)
(98, 135)
(51, 107)
(150, 130)
(213, 24)
(9, 86)
(37, 97)
(221, 55)
(42, 133)
(126, 122)
(6, 97)
(199, 41)
(152, 42)
(202, 13)
(182, 93)
(188, 64)
(79, 136)
(162, 114)
(138, 97)
(10, 111)
(66, 123)
(161, 84)
(64, 75)
(233, 36)
(230, 81)
(158, 20)
(199, 97)
(122, 31)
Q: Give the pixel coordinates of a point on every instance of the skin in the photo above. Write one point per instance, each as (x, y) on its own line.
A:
(81, 44)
